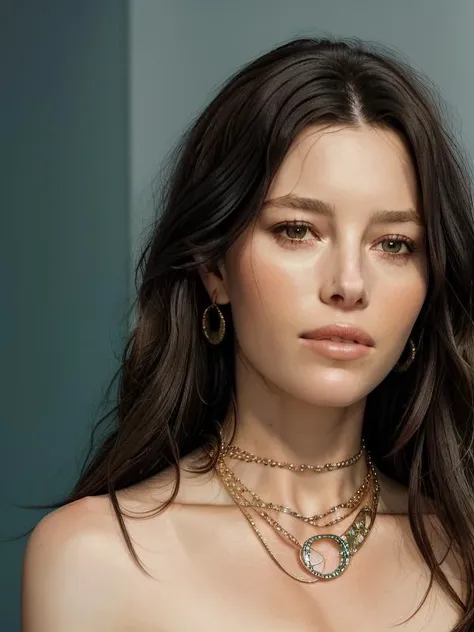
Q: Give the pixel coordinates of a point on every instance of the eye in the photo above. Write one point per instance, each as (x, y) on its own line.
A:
(294, 233)
(396, 246)
(393, 245)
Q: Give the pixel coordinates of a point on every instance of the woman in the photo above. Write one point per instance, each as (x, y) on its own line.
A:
(302, 366)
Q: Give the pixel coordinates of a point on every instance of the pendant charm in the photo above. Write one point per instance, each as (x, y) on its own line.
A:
(344, 555)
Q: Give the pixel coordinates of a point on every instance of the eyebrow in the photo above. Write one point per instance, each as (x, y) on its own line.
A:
(324, 208)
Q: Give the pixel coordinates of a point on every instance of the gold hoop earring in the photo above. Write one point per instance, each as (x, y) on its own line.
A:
(404, 366)
(215, 337)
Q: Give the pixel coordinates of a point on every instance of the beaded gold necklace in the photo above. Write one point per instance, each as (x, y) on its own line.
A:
(349, 542)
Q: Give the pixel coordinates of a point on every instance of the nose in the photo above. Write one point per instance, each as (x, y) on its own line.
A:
(344, 285)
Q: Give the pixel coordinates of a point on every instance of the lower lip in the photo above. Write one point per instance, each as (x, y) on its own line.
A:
(337, 350)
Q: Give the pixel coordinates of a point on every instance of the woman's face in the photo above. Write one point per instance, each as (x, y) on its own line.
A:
(343, 261)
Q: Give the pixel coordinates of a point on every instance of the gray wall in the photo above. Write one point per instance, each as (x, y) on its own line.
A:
(65, 247)
(181, 51)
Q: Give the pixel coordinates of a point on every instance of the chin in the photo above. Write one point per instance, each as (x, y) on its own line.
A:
(337, 388)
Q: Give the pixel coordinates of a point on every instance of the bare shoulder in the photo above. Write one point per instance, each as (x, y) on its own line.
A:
(394, 497)
(394, 518)
(447, 555)
(78, 572)
(195, 488)
(69, 570)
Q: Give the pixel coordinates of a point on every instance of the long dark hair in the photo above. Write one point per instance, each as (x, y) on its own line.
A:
(175, 389)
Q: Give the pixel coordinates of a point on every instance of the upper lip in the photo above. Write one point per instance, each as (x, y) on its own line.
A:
(345, 331)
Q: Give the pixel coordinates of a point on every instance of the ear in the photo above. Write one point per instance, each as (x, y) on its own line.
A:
(214, 279)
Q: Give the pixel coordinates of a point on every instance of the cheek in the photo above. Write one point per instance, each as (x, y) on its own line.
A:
(400, 306)
(263, 292)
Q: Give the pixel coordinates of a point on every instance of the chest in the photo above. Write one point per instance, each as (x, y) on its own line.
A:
(223, 579)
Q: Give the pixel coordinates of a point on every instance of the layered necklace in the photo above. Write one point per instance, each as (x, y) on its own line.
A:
(253, 507)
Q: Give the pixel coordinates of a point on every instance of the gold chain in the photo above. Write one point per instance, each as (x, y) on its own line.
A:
(303, 580)
(240, 489)
(234, 452)
(350, 541)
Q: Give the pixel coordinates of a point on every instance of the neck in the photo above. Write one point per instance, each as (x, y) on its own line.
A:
(273, 425)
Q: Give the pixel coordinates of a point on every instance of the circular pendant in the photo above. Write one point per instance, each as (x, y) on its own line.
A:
(344, 555)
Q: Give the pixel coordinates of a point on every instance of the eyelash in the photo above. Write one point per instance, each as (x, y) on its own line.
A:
(298, 243)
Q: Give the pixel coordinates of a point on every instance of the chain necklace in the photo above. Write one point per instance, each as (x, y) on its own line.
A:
(234, 452)
(349, 542)
(241, 491)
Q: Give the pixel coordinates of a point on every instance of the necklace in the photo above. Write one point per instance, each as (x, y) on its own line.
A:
(234, 452)
(242, 492)
(349, 542)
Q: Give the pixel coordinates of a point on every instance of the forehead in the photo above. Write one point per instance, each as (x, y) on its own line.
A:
(369, 167)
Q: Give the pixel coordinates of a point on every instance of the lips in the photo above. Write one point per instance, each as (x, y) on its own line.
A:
(344, 333)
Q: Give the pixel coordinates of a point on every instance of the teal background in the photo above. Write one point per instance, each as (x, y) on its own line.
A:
(65, 248)
(94, 94)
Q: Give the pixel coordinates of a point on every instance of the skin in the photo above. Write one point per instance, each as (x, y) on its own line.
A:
(338, 270)
(210, 570)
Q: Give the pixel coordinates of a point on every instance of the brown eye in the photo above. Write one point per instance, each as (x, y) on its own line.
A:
(295, 231)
